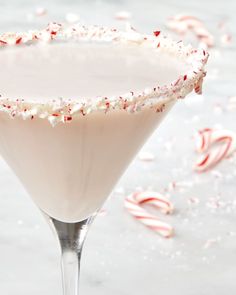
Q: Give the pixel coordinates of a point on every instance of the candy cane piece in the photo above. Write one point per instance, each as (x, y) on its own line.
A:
(203, 140)
(183, 23)
(134, 203)
(208, 136)
(217, 145)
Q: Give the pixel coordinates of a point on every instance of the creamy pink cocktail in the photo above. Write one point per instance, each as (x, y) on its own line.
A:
(77, 104)
(70, 169)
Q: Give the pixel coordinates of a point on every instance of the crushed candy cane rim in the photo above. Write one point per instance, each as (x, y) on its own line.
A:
(64, 109)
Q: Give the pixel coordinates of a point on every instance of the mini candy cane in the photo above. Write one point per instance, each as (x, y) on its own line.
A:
(208, 136)
(134, 202)
(216, 145)
(181, 24)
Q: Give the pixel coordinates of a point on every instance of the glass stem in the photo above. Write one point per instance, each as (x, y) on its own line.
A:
(71, 238)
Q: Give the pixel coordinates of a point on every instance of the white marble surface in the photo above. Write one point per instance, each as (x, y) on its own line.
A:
(121, 256)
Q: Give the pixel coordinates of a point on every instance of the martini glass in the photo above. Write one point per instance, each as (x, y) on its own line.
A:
(69, 146)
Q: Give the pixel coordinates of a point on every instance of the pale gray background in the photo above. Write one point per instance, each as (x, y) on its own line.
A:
(121, 256)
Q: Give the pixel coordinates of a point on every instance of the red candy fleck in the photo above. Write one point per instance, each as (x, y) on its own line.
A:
(18, 40)
(157, 33)
(185, 77)
(3, 42)
(83, 113)
(67, 118)
(176, 82)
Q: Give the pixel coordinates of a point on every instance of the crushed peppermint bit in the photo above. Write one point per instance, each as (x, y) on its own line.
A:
(40, 11)
(102, 212)
(209, 243)
(18, 40)
(146, 156)
(193, 200)
(156, 97)
(123, 15)
(231, 105)
(3, 42)
(226, 39)
(156, 33)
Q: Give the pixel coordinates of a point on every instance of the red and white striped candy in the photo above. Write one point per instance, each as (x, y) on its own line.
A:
(181, 24)
(134, 204)
(215, 145)
(203, 140)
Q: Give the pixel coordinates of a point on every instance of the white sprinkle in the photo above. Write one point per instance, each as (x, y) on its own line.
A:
(146, 156)
(209, 243)
(72, 18)
(40, 11)
(226, 39)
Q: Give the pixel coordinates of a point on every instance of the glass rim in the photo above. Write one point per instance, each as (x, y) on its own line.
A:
(64, 109)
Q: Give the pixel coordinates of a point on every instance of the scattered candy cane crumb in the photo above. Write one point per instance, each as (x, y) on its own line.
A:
(193, 200)
(215, 203)
(40, 11)
(102, 212)
(179, 185)
(226, 39)
(217, 174)
(123, 15)
(134, 204)
(211, 242)
(146, 156)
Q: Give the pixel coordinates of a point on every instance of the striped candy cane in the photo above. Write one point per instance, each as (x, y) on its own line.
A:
(134, 204)
(181, 24)
(215, 145)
